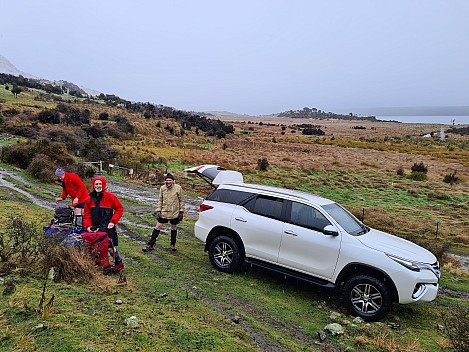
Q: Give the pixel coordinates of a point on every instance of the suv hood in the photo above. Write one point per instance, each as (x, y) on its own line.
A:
(396, 246)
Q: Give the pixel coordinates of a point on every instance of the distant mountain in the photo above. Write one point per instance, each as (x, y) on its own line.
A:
(414, 111)
(8, 68)
(225, 114)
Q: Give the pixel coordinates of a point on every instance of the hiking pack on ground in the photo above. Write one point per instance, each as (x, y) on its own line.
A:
(98, 245)
(63, 214)
(63, 234)
(63, 231)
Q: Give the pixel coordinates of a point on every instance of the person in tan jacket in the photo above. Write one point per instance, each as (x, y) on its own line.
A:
(170, 209)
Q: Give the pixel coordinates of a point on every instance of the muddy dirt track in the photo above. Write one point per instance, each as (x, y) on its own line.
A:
(147, 196)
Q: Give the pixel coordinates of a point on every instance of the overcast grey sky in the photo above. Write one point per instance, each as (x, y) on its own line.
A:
(252, 57)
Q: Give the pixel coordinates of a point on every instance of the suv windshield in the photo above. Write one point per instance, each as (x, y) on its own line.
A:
(346, 220)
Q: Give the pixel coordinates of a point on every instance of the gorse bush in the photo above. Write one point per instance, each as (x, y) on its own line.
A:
(20, 241)
(456, 323)
(313, 132)
(400, 171)
(86, 171)
(41, 167)
(103, 116)
(450, 178)
(262, 164)
(99, 149)
(22, 154)
(74, 140)
(19, 154)
(420, 167)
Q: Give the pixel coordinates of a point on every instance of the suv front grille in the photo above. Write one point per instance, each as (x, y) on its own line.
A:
(436, 269)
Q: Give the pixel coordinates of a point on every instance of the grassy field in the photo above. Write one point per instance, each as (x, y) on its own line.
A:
(183, 304)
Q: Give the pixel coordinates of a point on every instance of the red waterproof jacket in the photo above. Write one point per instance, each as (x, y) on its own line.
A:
(74, 186)
(102, 208)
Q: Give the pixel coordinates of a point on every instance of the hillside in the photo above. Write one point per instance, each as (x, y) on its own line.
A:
(8, 68)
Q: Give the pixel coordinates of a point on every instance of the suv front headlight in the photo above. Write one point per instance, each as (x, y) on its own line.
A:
(416, 266)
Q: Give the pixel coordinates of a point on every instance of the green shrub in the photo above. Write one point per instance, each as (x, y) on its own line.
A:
(450, 178)
(72, 139)
(456, 323)
(262, 164)
(103, 116)
(22, 154)
(418, 176)
(420, 167)
(42, 168)
(86, 171)
(19, 154)
(20, 242)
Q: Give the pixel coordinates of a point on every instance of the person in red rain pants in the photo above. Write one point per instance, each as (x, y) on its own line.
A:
(73, 186)
(103, 211)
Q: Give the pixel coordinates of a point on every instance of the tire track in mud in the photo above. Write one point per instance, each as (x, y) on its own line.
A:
(34, 199)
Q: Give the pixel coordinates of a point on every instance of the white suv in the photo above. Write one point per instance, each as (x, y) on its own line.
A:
(313, 239)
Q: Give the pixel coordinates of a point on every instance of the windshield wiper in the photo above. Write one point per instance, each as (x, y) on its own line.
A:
(364, 230)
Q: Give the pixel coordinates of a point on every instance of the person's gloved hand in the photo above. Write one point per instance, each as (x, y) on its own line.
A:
(75, 202)
(158, 214)
(181, 215)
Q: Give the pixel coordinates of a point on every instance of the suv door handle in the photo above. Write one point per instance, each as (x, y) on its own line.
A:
(241, 219)
(289, 232)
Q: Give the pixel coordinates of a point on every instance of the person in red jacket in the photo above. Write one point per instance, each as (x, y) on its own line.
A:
(103, 211)
(72, 186)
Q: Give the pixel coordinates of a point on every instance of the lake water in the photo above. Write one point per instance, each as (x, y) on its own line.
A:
(445, 120)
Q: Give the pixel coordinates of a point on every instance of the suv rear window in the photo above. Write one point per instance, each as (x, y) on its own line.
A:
(228, 196)
(265, 206)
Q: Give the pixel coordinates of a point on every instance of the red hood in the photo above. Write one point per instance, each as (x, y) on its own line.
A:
(102, 179)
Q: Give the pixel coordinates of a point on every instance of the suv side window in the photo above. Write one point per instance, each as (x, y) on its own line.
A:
(229, 196)
(270, 207)
(307, 216)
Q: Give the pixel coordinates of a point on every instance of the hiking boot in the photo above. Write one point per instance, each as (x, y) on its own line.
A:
(107, 270)
(148, 248)
(173, 248)
(118, 267)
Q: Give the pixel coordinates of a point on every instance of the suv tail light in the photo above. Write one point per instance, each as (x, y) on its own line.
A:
(204, 207)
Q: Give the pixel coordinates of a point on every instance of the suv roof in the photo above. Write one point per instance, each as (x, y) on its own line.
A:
(281, 192)
(219, 177)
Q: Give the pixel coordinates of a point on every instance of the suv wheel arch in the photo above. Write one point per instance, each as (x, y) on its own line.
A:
(352, 269)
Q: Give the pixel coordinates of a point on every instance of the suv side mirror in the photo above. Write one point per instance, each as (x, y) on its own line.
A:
(330, 230)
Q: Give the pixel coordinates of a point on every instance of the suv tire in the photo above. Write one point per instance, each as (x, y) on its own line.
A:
(224, 254)
(367, 297)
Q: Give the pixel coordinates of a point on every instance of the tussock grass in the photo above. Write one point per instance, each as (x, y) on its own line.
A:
(70, 264)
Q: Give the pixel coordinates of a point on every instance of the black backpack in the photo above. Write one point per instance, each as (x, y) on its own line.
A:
(63, 214)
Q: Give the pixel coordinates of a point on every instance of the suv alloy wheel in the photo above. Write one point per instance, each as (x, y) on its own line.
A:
(224, 254)
(367, 297)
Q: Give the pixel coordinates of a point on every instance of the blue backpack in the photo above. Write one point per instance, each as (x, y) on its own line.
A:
(63, 234)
